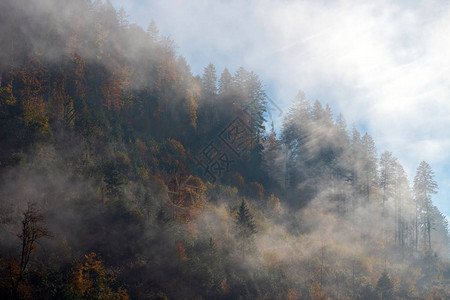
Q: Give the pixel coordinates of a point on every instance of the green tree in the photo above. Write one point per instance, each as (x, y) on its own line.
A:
(356, 153)
(387, 169)
(153, 32)
(240, 79)
(402, 201)
(209, 81)
(294, 136)
(441, 238)
(245, 227)
(406, 289)
(255, 104)
(225, 83)
(369, 165)
(429, 264)
(273, 165)
(385, 286)
(113, 179)
(245, 222)
(367, 293)
(424, 187)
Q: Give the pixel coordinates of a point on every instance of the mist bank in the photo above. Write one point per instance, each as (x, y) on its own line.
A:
(124, 176)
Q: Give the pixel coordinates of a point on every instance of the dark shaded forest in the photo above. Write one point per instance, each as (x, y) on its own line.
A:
(124, 176)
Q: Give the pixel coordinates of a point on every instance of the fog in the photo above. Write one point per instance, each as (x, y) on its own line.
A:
(105, 129)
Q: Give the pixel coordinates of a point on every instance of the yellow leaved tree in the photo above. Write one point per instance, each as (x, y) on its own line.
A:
(91, 280)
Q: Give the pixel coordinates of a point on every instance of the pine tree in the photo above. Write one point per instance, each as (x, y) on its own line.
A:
(209, 81)
(356, 154)
(272, 158)
(356, 136)
(296, 122)
(225, 83)
(387, 167)
(295, 136)
(122, 18)
(328, 116)
(240, 79)
(341, 131)
(424, 186)
(153, 32)
(255, 104)
(402, 200)
(369, 165)
(385, 286)
(387, 181)
(113, 179)
(341, 123)
(441, 237)
(317, 111)
(245, 229)
(244, 222)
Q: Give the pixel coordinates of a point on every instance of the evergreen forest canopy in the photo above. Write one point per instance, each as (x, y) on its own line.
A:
(123, 175)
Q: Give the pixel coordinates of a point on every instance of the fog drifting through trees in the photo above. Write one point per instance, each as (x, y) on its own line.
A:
(123, 175)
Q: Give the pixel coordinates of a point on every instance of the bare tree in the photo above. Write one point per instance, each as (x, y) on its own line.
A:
(33, 229)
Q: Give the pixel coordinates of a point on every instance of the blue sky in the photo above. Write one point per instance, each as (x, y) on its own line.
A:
(384, 64)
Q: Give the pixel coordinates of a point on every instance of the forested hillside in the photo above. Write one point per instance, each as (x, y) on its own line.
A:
(124, 176)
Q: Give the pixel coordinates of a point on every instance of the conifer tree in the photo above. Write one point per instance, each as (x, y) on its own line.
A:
(369, 165)
(295, 123)
(424, 187)
(225, 83)
(387, 168)
(385, 286)
(209, 81)
(402, 199)
(240, 79)
(244, 222)
(153, 32)
(341, 123)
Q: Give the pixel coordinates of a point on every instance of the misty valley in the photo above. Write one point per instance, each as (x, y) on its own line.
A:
(125, 176)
